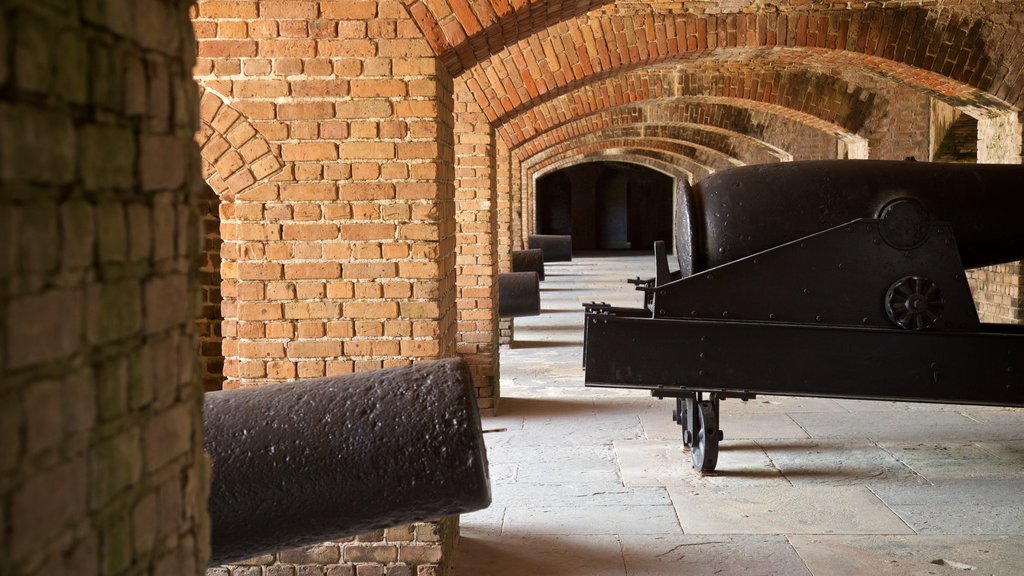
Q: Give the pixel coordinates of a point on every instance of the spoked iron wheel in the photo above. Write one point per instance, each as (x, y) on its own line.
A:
(704, 449)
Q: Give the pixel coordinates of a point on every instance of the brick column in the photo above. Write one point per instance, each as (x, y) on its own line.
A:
(999, 290)
(477, 261)
(344, 259)
(100, 401)
(503, 196)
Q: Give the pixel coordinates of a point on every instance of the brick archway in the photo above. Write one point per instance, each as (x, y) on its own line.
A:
(944, 47)
(238, 165)
(730, 144)
(647, 158)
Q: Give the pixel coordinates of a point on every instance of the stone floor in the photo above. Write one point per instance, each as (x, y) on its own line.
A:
(594, 482)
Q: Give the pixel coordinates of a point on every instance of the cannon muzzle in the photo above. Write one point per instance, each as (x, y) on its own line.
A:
(303, 462)
(529, 261)
(518, 294)
(556, 248)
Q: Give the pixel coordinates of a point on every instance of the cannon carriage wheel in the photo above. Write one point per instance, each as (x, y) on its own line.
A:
(699, 420)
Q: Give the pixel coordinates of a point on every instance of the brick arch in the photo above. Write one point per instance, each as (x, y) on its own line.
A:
(461, 30)
(823, 100)
(746, 149)
(236, 162)
(654, 161)
(660, 137)
(780, 130)
(941, 49)
(671, 154)
(236, 157)
(676, 153)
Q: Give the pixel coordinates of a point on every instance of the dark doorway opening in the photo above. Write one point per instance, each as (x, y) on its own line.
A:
(606, 206)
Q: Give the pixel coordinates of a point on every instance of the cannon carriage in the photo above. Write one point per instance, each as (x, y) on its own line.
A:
(838, 279)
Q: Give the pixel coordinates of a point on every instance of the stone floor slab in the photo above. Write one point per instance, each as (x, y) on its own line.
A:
(889, 426)
(837, 462)
(696, 555)
(570, 493)
(959, 506)
(536, 555)
(659, 463)
(785, 510)
(586, 519)
(942, 461)
(910, 555)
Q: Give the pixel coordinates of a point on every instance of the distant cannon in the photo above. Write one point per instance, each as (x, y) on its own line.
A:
(529, 261)
(840, 279)
(556, 248)
(308, 461)
(518, 294)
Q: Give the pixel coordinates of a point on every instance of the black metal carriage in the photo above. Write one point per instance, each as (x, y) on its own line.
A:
(838, 279)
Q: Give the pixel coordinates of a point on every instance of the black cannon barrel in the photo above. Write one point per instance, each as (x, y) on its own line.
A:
(303, 462)
(741, 211)
(528, 261)
(556, 248)
(518, 294)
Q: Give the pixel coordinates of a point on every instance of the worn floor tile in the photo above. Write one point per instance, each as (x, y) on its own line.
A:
(539, 555)
(656, 463)
(910, 555)
(959, 506)
(697, 555)
(785, 510)
(940, 461)
(588, 519)
(837, 462)
(891, 426)
(571, 493)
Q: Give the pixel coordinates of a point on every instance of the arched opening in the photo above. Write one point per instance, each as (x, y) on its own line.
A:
(606, 206)
(208, 324)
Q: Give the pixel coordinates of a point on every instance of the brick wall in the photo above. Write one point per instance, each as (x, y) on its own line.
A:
(101, 469)
(208, 325)
(998, 289)
(476, 262)
(329, 136)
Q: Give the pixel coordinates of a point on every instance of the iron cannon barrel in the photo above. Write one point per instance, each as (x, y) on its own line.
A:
(518, 294)
(531, 260)
(741, 211)
(555, 247)
(303, 462)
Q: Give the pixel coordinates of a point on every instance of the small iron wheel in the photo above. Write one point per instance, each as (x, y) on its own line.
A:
(679, 416)
(704, 450)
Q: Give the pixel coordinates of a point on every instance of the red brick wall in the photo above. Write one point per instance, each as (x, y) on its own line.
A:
(476, 262)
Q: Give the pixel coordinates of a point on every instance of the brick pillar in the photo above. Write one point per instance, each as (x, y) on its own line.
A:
(208, 325)
(899, 127)
(518, 199)
(339, 232)
(100, 401)
(476, 261)
(503, 186)
(997, 290)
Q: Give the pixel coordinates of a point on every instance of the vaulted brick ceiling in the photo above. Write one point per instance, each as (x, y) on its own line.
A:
(535, 66)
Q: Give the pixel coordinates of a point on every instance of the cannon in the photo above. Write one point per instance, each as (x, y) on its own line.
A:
(836, 279)
(529, 261)
(304, 462)
(556, 248)
(518, 294)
